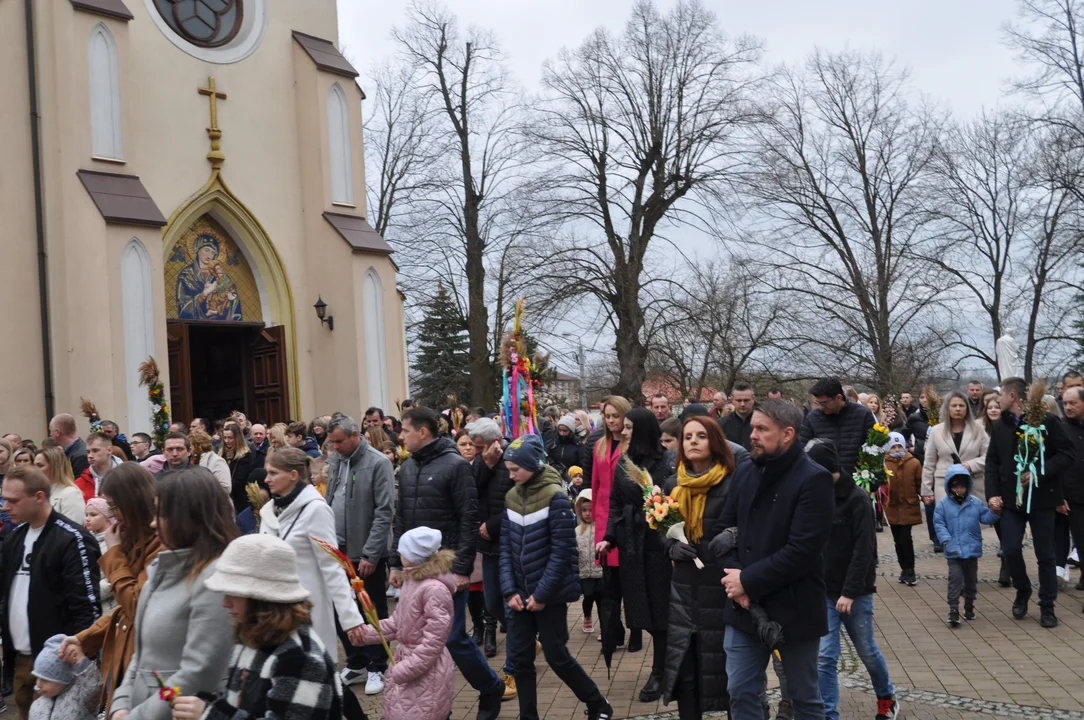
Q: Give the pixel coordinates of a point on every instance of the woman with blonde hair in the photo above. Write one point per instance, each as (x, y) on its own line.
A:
(236, 453)
(604, 448)
(873, 402)
(65, 495)
(6, 452)
(276, 436)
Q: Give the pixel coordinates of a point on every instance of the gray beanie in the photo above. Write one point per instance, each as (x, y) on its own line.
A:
(569, 422)
(49, 666)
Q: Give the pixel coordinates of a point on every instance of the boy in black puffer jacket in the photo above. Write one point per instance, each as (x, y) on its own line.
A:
(540, 576)
(850, 564)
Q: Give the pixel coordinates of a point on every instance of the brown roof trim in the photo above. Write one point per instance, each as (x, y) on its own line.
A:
(121, 199)
(325, 55)
(360, 234)
(109, 8)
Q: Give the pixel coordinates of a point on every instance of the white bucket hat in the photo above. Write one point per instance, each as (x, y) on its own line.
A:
(260, 567)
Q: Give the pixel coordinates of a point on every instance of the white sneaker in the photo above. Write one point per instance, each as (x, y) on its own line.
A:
(375, 685)
(392, 592)
(1063, 573)
(350, 677)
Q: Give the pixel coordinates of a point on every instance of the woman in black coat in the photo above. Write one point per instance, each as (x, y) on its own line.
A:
(237, 455)
(695, 665)
(645, 566)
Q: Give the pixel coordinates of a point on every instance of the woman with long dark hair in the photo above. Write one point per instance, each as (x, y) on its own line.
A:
(645, 566)
(604, 450)
(181, 630)
(236, 453)
(695, 660)
(132, 545)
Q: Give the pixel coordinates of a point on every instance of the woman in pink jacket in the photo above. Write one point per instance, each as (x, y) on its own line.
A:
(421, 682)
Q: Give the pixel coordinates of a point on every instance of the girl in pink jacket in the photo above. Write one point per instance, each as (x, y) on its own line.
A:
(420, 684)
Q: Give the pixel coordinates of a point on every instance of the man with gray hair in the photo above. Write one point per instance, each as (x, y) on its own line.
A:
(782, 504)
(493, 483)
(361, 492)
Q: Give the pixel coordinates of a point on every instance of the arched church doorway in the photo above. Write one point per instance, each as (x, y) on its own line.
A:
(226, 353)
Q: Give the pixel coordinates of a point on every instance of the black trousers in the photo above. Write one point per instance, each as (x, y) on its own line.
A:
(590, 595)
(371, 657)
(1063, 526)
(929, 521)
(687, 687)
(550, 625)
(905, 546)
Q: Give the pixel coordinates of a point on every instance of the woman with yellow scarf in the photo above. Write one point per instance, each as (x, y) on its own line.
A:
(695, 659)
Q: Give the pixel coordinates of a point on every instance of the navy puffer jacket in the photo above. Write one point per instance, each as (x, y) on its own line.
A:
(539, 555)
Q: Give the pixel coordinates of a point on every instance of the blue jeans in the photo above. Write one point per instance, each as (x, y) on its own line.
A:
(746, 669)
(467, 656)
(1013, 523)
(859, 624)
(495, 602)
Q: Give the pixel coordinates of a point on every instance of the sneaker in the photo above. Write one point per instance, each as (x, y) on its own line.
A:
(3, 705)
(352, 677)
(953, 621)
(909, 578)
(390, 592)
(887, 708)
(969, 612)
(1074, 559)
(1063, 574)
(938, 548)
(510, 691)
(588, 625)
(600, 636)
(603, 712)
(375, 683)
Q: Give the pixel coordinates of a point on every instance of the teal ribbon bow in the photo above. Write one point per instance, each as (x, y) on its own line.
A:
(1026, 459)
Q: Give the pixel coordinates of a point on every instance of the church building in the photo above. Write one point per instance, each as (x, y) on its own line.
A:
(184, 180)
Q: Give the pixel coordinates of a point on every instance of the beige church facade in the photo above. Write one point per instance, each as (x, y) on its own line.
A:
(194, 187)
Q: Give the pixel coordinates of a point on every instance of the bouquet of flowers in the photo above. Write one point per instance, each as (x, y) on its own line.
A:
(1031, 442)
(869, 471)
(358, 586)
(933, 406)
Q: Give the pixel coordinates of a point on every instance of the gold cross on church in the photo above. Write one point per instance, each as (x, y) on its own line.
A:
(214, 132)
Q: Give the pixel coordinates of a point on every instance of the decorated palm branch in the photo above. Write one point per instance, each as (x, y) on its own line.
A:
(520, 381)
(358, 586)
(90, 412)
(1031, 442)
(150, 377)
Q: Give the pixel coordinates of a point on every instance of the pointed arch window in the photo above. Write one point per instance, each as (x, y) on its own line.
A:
(105, 113)
(338, 133)
(376, 355)
(137, 294)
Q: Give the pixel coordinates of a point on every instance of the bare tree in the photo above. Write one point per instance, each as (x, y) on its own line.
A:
(635, 128)
(1004, 232)
(720, 323)
(466, 79)
(837, 178)
(400, 146)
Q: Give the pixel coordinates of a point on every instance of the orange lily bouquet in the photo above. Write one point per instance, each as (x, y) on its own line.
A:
(660, 510)
(358, 586)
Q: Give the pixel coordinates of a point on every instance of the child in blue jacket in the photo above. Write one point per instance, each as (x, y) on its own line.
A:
(956, 520)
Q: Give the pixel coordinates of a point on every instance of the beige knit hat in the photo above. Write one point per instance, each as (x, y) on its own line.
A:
(260, 567)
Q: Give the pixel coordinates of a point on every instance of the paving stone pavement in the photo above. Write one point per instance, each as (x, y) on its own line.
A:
(994, 667)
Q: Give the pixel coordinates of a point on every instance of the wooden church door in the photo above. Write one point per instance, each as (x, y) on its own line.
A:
(268, 385)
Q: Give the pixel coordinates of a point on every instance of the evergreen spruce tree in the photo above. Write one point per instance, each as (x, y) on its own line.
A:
(442, 360)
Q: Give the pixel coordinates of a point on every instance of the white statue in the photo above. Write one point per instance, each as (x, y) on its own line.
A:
(1008, 358)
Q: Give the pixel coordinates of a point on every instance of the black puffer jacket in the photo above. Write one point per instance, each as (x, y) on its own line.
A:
(847, 429)
(436, 490)
(645, 566)
(568, 452)
(850, 558)
(492, 483)
(697, 599)
(917, 429)
(737, 430)
(1001, 464)
(1072, 478)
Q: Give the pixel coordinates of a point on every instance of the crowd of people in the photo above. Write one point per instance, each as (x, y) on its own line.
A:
(192, 580)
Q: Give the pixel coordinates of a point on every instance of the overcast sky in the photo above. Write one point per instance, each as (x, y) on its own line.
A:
(954, 48)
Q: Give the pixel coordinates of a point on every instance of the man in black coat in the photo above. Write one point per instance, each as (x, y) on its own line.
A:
(839, 420)
(1034, 506)
(436, 490)
(49, 578)
(493, 483)
(850, 565)
(1072, 479)
(738, 425)
(782, 504)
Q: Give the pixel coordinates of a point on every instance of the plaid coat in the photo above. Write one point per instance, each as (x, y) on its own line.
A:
(294, 681)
